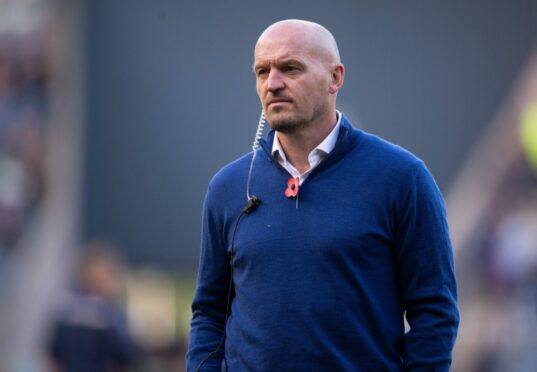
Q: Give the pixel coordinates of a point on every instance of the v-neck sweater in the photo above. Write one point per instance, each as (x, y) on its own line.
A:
(324, 284)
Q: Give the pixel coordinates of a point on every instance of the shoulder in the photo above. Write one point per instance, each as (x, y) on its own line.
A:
(400, 174)
(386, 151)
(227, 187)
(385, 159)
(376, 151)
(232, 173)
(405, 170)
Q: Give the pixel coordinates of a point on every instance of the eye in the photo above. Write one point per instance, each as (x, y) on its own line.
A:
(261, 72)
(291, 69)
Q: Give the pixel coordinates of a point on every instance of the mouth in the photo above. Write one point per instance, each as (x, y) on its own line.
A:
(278, 101)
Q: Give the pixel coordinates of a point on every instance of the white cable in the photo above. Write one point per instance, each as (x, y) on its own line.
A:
(255, 146)
(259, 131)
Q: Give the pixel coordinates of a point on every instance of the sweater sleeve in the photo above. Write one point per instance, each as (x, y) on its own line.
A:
(425, 270)
(210, 298)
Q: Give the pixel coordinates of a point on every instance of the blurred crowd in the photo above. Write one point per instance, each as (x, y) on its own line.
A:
(23, 115)
(497, 273)
(111, 317)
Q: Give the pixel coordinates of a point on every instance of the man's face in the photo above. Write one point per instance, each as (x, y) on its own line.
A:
(292, 80)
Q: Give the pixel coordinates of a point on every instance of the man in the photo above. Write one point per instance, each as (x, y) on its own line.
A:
(349, 236)
(90, 331)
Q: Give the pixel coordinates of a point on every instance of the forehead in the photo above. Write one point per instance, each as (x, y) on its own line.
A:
(280, 49)
(277, 56)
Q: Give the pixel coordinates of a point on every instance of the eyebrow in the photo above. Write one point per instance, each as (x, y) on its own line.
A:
(285, 60)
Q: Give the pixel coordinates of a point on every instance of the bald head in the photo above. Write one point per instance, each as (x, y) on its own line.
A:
(307, 34)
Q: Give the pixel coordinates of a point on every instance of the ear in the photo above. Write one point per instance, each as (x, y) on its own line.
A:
(337, 77)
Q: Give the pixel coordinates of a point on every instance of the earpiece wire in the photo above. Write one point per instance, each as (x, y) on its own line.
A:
(255, 146)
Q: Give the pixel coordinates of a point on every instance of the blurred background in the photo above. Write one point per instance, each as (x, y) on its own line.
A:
(114, 115)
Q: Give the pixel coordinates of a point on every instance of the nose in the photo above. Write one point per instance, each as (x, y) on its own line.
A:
(275, 80)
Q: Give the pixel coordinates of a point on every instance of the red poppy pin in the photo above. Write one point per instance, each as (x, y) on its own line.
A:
(292, 187)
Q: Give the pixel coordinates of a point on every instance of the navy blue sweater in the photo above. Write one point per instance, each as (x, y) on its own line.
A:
(325, 286)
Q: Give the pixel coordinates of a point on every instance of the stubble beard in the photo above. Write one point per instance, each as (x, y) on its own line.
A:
(292, 123)
(287, 125)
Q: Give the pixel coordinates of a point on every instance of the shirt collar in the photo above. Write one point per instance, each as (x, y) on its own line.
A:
(326, 146)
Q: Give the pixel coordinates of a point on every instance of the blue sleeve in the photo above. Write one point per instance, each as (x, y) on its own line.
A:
(426, 277)
(210, 298)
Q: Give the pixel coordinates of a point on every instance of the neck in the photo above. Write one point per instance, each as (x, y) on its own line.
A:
(298, 145)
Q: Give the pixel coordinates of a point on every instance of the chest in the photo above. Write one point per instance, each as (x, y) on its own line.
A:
(337, 220)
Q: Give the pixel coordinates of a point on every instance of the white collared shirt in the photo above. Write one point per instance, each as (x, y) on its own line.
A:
(315, 156)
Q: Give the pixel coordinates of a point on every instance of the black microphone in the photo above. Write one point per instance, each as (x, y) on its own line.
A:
(252, 204)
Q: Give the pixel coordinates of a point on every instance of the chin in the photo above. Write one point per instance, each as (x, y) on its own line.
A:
(283, 123)
(283, 126)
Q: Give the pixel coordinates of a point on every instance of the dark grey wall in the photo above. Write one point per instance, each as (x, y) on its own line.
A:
(171, 96)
